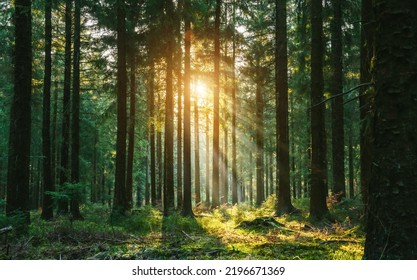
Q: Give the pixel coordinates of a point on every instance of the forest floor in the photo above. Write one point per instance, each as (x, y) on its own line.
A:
(238, 232)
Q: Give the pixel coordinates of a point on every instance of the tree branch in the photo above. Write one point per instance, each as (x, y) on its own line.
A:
(340, 94)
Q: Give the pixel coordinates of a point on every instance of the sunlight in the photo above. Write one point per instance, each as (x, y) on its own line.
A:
(200, 90)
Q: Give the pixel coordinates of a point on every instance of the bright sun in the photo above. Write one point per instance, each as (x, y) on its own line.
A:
(200, 90)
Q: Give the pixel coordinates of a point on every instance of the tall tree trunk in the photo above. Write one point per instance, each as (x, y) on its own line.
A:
(54, 146)
(259, 135)
(234, 86)
(216, 108)
(64, 175)
(283, 189)
(169, 115)
(131, 130)
(20, 115)
(366, 95)
(48, 203)
(75, 133)
(318, 207)
(250, 179)
(197, 184)
(338, 146)
(152, 118)
(119, 203)
(187, 207)
(351, 170)
(271, 174)
(392, 215)
(207, 159)
(159, 160)
(179, 106)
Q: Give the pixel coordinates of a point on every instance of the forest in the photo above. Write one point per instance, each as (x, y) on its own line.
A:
(208, 129)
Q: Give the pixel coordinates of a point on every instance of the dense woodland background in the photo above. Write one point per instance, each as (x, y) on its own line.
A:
(237, 120)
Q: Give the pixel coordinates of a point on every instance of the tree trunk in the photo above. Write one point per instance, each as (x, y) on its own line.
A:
(48, 203)
(119, 203)
(234, 86)
(216, 107)
(351, 170)
(250, 179)
(283, 190)
(338, 146)
(392, 214)
(64, 175)
(152, 119)
(169, 115)
(366, 95)
(259, 135)
(318, 207)
(187, 207)
(179, 106)
(20, 115)
(75, 133)
(131, 131)
(159, 160)
(197, 185)
(207, 159)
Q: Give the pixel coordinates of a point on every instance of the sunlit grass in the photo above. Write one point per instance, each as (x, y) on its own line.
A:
(216, 234)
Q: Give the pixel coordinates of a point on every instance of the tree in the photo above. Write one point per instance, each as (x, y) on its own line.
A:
(169, 113)
(318, 207)
(216, 108)
(234, 161)
(151, 102)
(283, 191)
(75, 133)
(365, 99)
(20, 115)
(187, 207)
(338, 146)
(197, 185)
(179, 106)
(47, 206)
(131, 130)
(64, 174)
(119, 203)
(259, 132)
(392, 193)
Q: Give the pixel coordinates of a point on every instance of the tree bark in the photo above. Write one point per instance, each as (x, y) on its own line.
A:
(318, 207)
(283, 189)
(392, 214)
(216, 108)
(366, 95)
(152, 118)
(18, 171)
(197, 183)
(187, 207)
(207, 159)
(169, 116)
(48, 203)
(75, 133)
(119, 202)
(234, 106)
(338, 146)
(65, 171)
(259, 138)
(131, 130)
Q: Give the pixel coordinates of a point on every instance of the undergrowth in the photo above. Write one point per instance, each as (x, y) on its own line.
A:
(228, 232)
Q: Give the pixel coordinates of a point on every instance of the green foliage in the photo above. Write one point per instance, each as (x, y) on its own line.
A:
(70, 191)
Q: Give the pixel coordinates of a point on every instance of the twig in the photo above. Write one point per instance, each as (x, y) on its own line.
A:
(188, 235)
(340, 94)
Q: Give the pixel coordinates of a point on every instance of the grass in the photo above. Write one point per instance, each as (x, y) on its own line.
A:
(217, 234)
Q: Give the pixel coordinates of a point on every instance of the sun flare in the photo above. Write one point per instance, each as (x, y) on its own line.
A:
(200, 89)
